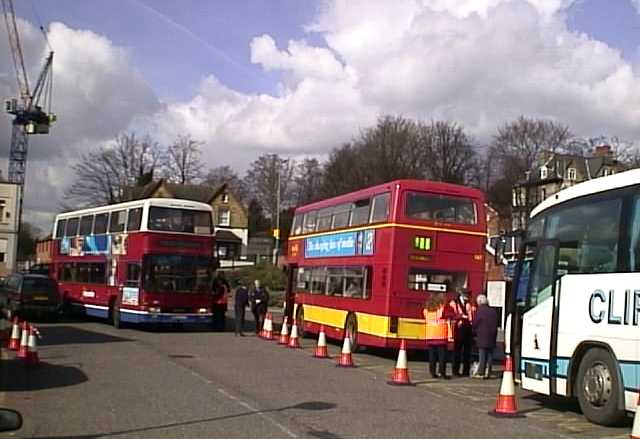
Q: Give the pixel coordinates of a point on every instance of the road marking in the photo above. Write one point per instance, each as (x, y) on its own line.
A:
(260, 413)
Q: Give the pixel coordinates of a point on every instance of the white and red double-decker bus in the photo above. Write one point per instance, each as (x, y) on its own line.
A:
(145, 261)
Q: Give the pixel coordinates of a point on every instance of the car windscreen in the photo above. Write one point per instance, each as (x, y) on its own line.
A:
(170, 219)
(177, 273)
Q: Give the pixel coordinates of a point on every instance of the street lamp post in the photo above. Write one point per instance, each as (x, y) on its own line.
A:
(276, 232)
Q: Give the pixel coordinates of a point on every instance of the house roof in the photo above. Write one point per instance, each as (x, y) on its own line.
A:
(193, 192)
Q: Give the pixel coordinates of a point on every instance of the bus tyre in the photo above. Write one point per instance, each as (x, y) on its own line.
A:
(351, 331)
(300, 321)
(598, 388)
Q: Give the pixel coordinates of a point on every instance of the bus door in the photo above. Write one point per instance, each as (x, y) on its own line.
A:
(538, 337)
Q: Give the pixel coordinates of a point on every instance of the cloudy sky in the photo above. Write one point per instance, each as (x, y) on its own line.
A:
(300, 77)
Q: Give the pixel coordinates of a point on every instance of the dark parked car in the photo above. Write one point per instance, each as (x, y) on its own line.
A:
(44, 269)
(26, 292)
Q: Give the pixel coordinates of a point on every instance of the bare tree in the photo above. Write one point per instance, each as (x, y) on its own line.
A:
(262, 183)
(308, 179)
(450, 155)
(182, 163)
(225, 174)
(104, 174)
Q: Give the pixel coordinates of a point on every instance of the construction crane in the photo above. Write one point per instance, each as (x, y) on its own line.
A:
(32, 110)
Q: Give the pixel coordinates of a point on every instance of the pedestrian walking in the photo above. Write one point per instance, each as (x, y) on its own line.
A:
(259, 300)
(221, 290)
(462, 333)
(485, 328)
(240, 303)
(437, 315)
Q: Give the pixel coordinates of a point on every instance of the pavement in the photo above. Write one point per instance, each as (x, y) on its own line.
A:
(97, 381)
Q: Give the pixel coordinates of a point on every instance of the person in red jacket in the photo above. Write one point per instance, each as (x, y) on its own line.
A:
(462, 333)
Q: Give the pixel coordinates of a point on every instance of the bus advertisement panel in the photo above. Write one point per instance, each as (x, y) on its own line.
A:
(575, 305)
(365, 263)
(147, 261)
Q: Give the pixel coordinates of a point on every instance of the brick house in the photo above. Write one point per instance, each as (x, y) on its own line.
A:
(230, 219)
(553, 172)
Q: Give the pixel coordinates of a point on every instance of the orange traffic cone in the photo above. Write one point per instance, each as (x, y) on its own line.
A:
(33, 359)
(321, 347)
(14, 341)
(294, 343)
(267, 332)
(635, 431)
(23, 352)
(506, 404)
(284, 332)
(400, 375)
(345, 359)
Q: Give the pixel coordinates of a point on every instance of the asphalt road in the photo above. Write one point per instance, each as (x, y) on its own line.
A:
(97, 381)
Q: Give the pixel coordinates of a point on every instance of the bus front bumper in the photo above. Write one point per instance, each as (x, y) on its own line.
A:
(135, 316)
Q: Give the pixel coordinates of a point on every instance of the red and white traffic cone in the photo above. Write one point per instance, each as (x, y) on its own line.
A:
(321, 348)
(294, 343)
(635, 431)
(284, 332)
(400, 375)
(345, 359)
(268, 327)
(506, 404)
(14, 341)
(23, 351)
(33, 359)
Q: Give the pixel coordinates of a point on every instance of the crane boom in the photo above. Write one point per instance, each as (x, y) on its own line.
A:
(16, 52)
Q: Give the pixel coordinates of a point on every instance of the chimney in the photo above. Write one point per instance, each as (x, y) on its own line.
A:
(603, 150)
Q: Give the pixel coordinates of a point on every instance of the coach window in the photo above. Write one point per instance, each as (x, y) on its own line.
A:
(62, 223)
(310, 221)
(341, 216)
(324, 219)
(589, 231)
(318, 280)
(118, 219)
(296, 227)
(134, 220)
(380, 209)
(72, 227)
(86, 222)
(303, 279)
(360, 212)
(100, 224)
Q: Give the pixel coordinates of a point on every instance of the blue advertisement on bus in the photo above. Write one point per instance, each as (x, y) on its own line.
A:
(340, 244)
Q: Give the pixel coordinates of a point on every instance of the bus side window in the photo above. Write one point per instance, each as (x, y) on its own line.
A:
(634, 247)
(118, 219)
(380, 209)
(62, 223)
(133, 274)
(72, 227)
(310, 221)
(135, 218)
(360, 212)
(100, 224)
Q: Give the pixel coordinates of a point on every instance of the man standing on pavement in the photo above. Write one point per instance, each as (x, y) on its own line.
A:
(462, 333)
(240, 303)
(221, 291)
(437, 315)
(259, 299)
(485, 327)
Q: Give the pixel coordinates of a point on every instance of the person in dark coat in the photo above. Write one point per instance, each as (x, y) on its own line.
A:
(259, 299)
(240, 303)
(485, 327)
(221, 290)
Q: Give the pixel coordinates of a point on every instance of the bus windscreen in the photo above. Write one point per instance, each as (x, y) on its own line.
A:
(169, 219)
(177, 273)
(440, 208)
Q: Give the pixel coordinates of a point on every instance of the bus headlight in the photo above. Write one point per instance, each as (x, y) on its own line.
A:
(203, 310)
(153, 309)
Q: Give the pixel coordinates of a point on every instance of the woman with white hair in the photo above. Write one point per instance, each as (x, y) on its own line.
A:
(485, 327)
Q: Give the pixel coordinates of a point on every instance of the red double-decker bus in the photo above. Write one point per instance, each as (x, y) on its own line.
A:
(363, 264)
(146, 261)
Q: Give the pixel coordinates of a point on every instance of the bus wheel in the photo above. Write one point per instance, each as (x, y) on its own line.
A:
(300, 321)
(114, 313)
(598, 388)
(351, 331)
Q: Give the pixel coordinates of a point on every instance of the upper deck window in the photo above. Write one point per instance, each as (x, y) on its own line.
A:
(341, 215)
(86, 223)
(360, 212)
(72, 227)
(135, 219)
(296, 226)
(62, 223)
(440, 208)
(118, 219)
(324, 219)
(169, 219)
(100, 224)
(310, 221)
(380, 209)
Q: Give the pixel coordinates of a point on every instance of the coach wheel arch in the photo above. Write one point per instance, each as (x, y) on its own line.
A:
(351, 330)
(597, 384)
